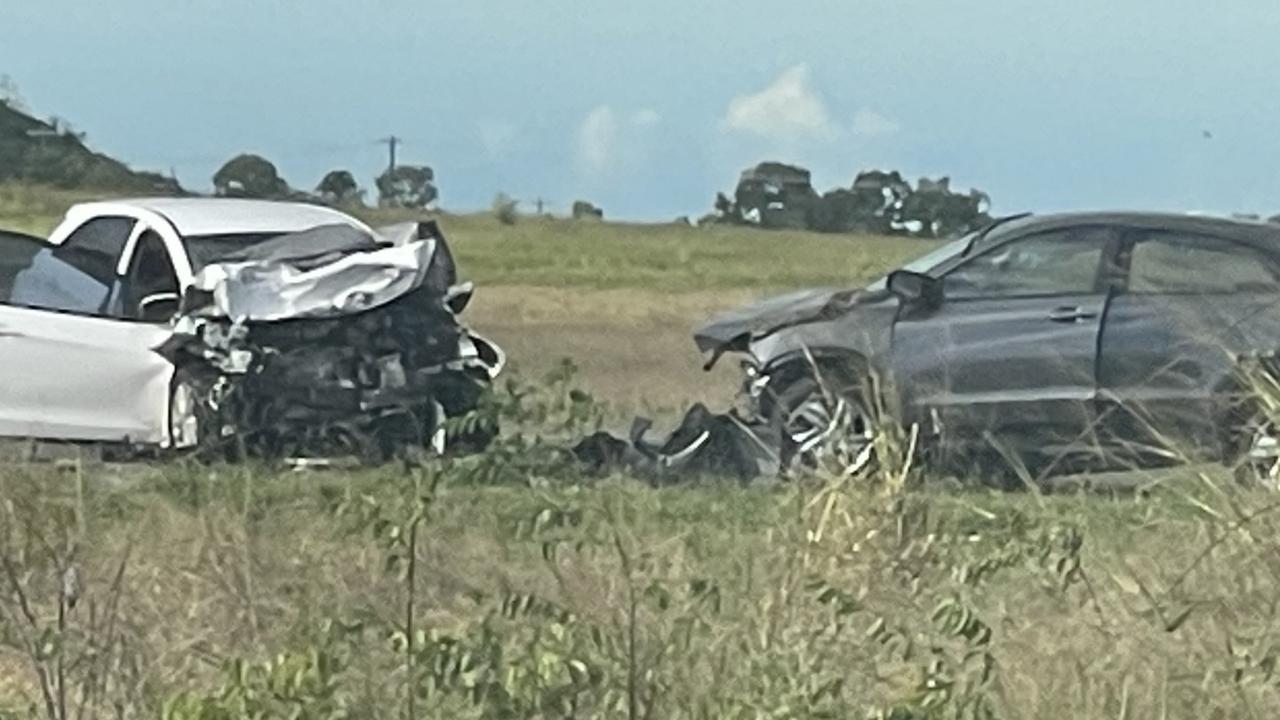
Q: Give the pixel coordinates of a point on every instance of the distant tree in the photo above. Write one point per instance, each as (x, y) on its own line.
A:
(935, 211)
(504, 208)
(775, 195)
(583, 210)
(725, 209)
(838, 210)
(878, 198)
(411, 186)
(249, 176)
(339, 187)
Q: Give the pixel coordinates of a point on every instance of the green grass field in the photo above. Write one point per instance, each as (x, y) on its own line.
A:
(507, 586)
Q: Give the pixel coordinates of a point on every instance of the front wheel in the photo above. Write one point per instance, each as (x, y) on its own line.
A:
(825, 425)
(187, 424)
(194, 426)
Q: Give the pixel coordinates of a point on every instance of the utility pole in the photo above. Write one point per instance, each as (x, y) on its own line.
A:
(391, 141)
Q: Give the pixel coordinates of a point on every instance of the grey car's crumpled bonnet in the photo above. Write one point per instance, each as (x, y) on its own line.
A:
(731, 330)
(328, 271)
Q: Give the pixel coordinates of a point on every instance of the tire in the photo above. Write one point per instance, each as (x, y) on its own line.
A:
(823, 423)
(462, 397)
(193, 423)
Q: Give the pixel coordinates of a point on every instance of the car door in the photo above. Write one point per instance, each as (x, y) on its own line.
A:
(1189, 303)
(75, 368)
(1010, 351)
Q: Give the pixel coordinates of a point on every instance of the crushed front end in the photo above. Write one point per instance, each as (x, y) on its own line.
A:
(376, 370)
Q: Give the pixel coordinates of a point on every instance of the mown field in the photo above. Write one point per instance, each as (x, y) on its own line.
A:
(509, 586)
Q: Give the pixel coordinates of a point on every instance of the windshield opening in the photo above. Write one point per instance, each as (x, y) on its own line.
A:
(206, 249)
(927, 262)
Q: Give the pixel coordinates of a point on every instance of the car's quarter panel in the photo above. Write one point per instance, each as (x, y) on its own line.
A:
(76, 377)
(1192, 303)
(1165, 362)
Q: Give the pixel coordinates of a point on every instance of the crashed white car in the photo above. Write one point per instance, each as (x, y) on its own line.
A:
(279, 328)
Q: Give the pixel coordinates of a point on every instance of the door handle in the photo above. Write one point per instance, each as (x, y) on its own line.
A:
(1070, 313)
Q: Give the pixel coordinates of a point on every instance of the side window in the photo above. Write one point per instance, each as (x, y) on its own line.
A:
(150, 275)
(1166, 262)
(1059, 262)
(94, 248)
(78, 275)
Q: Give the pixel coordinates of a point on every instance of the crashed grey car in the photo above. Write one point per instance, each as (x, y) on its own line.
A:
(276, 328)
(1068, 341)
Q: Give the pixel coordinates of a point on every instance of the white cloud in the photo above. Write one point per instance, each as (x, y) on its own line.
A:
(608, 139)
(597, 140)
(789, 109)
(869, 123)
(645, 118)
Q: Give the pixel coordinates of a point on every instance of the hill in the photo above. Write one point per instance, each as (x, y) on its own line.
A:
(36, 151)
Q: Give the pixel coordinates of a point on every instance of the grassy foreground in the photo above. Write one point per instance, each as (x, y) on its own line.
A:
(239, 593)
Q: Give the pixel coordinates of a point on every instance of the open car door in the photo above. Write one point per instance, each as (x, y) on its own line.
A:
(74, 367)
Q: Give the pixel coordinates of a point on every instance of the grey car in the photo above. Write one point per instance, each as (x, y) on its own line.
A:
(1070, 341)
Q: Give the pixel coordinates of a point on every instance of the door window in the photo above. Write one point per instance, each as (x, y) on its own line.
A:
(1174, 263)
(94, 248)
(78, 275)
(150, 280)
(1059, 262)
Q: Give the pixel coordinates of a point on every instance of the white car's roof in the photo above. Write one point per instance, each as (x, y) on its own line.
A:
(225, 216)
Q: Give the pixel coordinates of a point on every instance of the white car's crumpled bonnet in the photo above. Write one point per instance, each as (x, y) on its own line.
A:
(292, 280)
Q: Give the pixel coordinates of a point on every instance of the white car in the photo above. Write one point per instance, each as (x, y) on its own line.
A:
(284, 327)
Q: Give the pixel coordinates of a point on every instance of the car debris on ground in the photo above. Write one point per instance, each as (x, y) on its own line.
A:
(705, 443)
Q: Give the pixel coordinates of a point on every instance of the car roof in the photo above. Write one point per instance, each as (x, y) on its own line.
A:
(227, 216)
(1251, 231)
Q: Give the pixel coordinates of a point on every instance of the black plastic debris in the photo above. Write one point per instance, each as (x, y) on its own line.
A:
(705, 444)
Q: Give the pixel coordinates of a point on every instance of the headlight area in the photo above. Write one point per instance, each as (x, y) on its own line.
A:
(754, 385)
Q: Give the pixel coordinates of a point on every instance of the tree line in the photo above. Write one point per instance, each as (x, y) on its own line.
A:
(780, 196)
(253, 176)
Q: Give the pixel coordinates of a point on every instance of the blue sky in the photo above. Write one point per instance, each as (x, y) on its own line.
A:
(649, 108)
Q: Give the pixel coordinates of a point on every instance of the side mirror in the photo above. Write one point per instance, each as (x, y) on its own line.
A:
(914, 287)
(158, 307)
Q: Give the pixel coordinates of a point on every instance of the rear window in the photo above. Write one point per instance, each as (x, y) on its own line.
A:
(1173, 263)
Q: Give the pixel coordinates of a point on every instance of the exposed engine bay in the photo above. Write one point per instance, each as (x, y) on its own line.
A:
(320, 344)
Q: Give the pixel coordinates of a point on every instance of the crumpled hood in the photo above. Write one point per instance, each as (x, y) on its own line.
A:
(733, 329)
(324, 272)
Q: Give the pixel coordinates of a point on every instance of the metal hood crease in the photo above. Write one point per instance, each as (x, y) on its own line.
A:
(328, 271)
